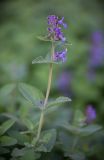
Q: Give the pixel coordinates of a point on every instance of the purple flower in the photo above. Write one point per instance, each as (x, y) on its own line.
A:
(97, 37)
(61, 23)
(60, 56)
(90, 114)
(54, 29)
(59, 35)
(97, 50)
(52, 20)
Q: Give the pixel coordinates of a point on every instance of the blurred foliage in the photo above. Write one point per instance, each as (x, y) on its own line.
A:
(21, 22)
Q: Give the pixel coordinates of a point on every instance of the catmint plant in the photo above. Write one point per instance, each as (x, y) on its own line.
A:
(28, 139)
(55, 34)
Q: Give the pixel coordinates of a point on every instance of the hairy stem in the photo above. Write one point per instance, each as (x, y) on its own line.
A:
(47, 95)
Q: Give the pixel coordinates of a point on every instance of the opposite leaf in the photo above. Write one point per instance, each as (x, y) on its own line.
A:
(47, 141)
(31, 93)
(90, 129)
(59, 101)
(47, 60)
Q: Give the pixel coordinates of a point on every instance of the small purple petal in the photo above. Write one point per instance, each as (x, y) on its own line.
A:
(65, 25)
(90, 114)
(62, 23)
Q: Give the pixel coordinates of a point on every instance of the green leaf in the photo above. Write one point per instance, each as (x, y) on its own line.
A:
(90, 129)
(44, 38)
(82, 131)
(52, 106)
(47, 60)
(28, 123)
(30, 154)
(7, 89)
(6, 92)
(58, 101)
(47, 141)
(7, 141)
(31, 93)
(21, 138)
(70, 128)
(79, 118)
(6, 125)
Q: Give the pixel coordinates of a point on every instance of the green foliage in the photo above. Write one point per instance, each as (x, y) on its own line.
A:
(53, 105)
(7, 141)
(21, 138)
(47, 141)
(31, 93)
(58, 101)
(7, 91)
(46, 60)
(82, 131)
(21, 22)
(25, 154)
(6, 125)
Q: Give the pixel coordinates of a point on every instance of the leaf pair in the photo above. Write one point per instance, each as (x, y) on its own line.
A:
(34, 96)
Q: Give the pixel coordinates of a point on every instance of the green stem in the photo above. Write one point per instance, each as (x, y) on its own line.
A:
(47, 95)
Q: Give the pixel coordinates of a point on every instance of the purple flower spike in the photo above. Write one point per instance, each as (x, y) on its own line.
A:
(52, 20)
(54, 29)
(90, 114)
(60, 56)
(97, 50)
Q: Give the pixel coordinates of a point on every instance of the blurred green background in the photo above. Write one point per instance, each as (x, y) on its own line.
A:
(82, 76)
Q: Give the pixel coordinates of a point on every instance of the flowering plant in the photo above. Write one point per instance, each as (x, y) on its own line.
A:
(29, 139)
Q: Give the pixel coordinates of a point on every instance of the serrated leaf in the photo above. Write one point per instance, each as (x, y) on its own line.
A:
(31, 93)
(58, 101)
(52, 106)
(21, 138)
(6, 125)
(50, 110)
(28, 123)
(70, 128)
(44, 38)
(7, 141)
(46, 60)
(82, 131)
(90, 129)
(79, 118)
(47, 141)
